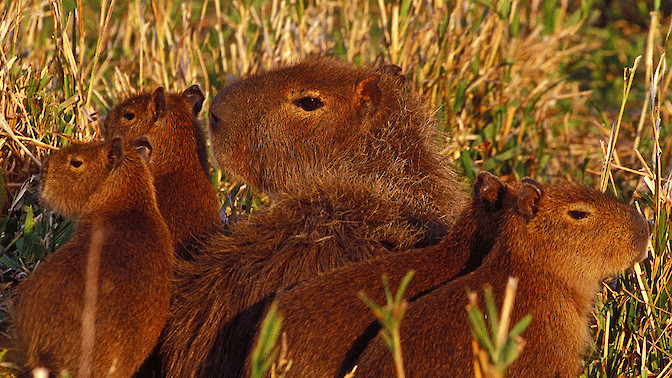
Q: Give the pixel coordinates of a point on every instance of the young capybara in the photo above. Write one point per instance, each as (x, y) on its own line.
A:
(186, 197)
(560, 241)
(97, 305)
(328, 325)
(348, 155)
(179, 165)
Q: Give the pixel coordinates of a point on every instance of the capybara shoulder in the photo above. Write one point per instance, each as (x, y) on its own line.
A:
(327, 325)
(97, 305)
(186, 197)
(221, 296)
(560, 242)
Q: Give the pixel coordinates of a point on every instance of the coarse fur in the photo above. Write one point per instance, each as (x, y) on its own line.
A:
(560, 241)
(222, 295)
(275, 128)
(108, 191)
(348, 155)
(328, 325)
(186, 197)
(179, 165)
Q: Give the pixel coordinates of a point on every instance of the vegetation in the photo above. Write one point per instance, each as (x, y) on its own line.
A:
(520, 89)
(390, 316)
(495, 346)
(267, 358)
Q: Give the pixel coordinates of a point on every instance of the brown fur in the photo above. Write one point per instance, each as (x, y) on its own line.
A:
(371, 121)
(109, 192)
(328, 325)
(560, 262)
(186, 197)
(353, 179)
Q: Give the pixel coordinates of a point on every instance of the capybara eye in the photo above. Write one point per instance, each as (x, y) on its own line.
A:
(75, 163)
(309, 103)
(215, 119)
(577, 214)
(129, 116)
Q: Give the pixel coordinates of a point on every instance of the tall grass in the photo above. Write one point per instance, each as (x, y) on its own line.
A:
(519, 89)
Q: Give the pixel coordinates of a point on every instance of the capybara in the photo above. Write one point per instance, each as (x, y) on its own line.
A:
(560, 241)
(186, 197)
(328, 325)
(187, 200)
(275, 128)
(349, 156)
(96, 306)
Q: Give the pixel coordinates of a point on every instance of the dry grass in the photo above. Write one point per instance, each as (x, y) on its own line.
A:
(511, 85)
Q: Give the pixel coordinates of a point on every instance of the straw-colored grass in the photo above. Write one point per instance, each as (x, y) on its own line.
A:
(520, 89)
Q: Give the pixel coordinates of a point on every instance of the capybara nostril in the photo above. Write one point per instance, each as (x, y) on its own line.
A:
(645, 227)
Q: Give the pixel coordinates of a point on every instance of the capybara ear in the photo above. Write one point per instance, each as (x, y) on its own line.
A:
(143, 147)
(489, 188)
(115, 153)
(194, 97)
(390, 69)
(528, 197)
(159, 102)
(368, 91)
(101, 122)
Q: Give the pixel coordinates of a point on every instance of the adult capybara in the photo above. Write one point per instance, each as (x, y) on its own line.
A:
(274, 127)
(179, 165)
(328, 325)
(97, 305)
(348, 155)
(560, 241)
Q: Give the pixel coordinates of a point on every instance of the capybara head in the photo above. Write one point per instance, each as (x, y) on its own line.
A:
(137, 115)
(581, 232)
(167, 119)
(74, 176)
(275, 126)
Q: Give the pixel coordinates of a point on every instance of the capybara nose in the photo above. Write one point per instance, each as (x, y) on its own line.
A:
(642, 226)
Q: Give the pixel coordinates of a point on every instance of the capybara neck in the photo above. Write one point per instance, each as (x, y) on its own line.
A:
(274, 128)
(328, 326)
(185, 195)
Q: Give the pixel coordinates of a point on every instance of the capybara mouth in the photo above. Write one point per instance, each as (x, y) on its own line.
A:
(642, 236)
(642, 256)
(612, 282)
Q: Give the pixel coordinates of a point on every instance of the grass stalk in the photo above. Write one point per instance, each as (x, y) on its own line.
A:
(628, 76)
(390, 316)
